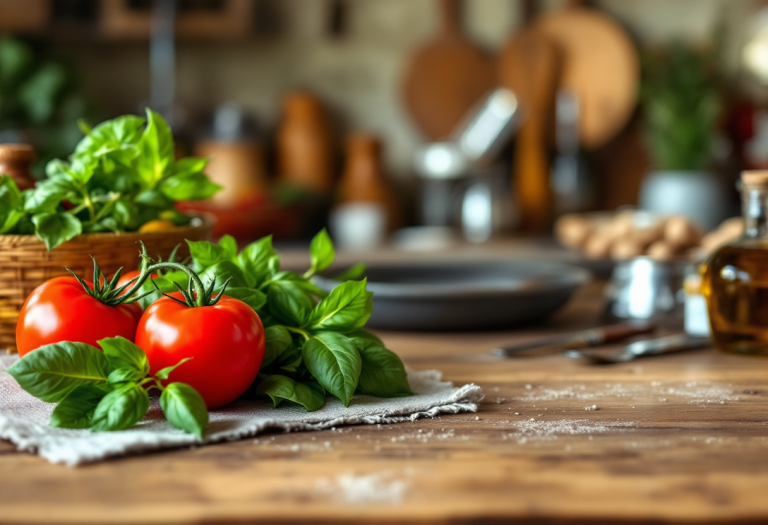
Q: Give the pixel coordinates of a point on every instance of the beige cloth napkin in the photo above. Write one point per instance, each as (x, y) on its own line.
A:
(24, 419)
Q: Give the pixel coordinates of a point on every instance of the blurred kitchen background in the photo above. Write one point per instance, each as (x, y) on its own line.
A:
(422, 123)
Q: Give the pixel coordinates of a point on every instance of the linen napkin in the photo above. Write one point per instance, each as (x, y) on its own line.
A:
(24, 419)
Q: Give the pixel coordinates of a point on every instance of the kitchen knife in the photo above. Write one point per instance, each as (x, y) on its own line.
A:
(649, 347)
(583, 339)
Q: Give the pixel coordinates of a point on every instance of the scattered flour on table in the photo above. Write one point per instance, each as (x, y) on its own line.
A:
(697, 392)
(539, 429)
(364, 489)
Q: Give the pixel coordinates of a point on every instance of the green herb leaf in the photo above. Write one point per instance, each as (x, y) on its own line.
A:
(222, 271)
(164, 373)
(205, 254)
(122, 408)
(353, 273)
(52, 371)
(155, 160)
(363, 338)
(76, 410)
(335, 362)
(289, 303)
(184, 408)
(11, 207)
(228, 245)
(56, 228)
(253, 298)
(382, 373)
(112, 136)
(321, 252)
(308, 394)
(123, 375)
(278, 339)
(254, 260)
(189, 187)
(347, 307)
(123, 354)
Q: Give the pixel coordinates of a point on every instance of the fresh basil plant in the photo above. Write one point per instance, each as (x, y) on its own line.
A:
(122, 174)
(316, 344)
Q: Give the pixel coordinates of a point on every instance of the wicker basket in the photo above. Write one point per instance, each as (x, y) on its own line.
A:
(25, 262)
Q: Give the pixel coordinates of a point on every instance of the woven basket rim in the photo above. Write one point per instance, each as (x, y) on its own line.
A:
(208, 221)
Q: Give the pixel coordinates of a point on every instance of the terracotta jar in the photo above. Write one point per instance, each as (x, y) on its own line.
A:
(16, 160)
(305, 144)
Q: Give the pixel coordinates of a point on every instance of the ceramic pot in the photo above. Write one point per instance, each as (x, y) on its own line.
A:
(699, 195)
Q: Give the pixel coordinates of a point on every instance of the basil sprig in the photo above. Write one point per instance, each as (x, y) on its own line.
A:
(122, 174)
(315, 340)
(105, 390)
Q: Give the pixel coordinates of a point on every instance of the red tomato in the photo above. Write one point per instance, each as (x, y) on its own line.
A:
(61, 310)
(225, 341)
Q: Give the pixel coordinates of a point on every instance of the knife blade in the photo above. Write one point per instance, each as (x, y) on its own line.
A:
(574, 340)
(648, 347)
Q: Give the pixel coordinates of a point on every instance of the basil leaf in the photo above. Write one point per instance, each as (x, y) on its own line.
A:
(301, 282)
(11, 207)
(308, 394)
(184, 408)
(363, 338)
(205, 254)
(164, 373)
(76, 410)
(278, 339)
(253, 298)
(155, 160)
(254, 260)
(123, 375)
(222, 271)
(123, 354)
(382, 373)
(189, 165)
(56, 228)
(47, 195)
(153, 198)
(334, 362)
(289, 303)
(347, 307)
(290, 360)
(228, 246)
(354, 273)
(81, 169)
(126, 213)
(122, 408)
(189, 187)
(110, 136)
(52, 371)
(321, 251)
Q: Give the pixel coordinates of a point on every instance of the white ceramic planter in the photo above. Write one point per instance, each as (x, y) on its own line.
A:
(699, 195)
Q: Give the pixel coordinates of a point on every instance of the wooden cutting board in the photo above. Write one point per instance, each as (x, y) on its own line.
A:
(528, 65)
(600, 64)
(446, 78)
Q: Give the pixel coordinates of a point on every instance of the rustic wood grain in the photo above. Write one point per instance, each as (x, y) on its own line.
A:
(679, 439)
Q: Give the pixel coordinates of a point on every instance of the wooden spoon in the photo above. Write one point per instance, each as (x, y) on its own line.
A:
(528, 65)
(446, 78)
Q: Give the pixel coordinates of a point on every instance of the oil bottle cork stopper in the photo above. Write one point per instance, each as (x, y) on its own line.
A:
(755, 177)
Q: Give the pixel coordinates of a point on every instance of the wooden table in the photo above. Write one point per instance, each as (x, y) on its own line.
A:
(675, 439)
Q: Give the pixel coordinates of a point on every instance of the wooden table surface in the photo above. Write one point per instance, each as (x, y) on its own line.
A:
(679, 439)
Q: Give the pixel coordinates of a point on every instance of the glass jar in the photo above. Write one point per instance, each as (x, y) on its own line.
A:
(736, 276)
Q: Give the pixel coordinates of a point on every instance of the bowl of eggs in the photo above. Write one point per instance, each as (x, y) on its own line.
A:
(650, 255)
(629, 233)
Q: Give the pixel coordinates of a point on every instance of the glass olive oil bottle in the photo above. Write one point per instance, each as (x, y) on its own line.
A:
(736, 276)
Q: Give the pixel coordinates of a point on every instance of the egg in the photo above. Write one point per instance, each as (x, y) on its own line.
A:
(627, 248)
(680, 232)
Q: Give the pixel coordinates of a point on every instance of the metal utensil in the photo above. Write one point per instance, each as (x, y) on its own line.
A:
(583, 339)
(649, 347)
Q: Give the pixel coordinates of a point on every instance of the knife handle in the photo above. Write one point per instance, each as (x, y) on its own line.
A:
(619, 332)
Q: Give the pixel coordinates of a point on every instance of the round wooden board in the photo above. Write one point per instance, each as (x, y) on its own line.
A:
(600, 63)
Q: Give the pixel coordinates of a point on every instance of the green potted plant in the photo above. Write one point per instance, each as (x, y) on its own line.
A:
(681, 104)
